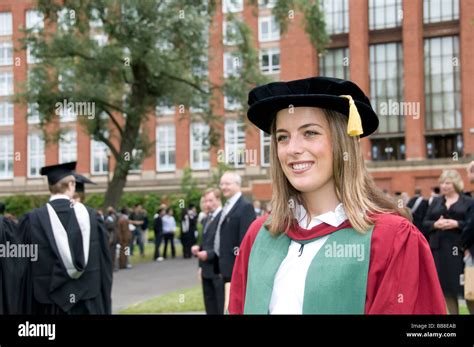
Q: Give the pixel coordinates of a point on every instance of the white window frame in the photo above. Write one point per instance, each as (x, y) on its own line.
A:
(6, 53)
(230, 27)
(269, 4)
(6, 113)
(34, 20)
(6, 21)
(234, 143)
(273, 34)
(99, 152)
(6, 156)
(230, 70)
(33, 114)
(231, 104)
(265, 140)
(36, 157)
(199, 163)
(232, 6)
(161, 109)
(30, 57)
(6, 83)
(271, 68)
(68, 147)
(165, 143)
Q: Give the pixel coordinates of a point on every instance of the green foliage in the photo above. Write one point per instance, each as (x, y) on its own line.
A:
(18, 205)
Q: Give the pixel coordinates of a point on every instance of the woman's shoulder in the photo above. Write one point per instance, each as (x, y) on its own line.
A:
(389, 225)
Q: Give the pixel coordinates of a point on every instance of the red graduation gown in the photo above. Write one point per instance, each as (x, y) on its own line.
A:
(402, 277)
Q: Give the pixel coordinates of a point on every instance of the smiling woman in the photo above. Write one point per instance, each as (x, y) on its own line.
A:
(333, 243)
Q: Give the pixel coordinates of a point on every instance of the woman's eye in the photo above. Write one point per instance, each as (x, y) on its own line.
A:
(281, 138)
(310, 133)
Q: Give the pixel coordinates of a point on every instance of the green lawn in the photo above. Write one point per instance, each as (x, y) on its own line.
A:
(186, 300)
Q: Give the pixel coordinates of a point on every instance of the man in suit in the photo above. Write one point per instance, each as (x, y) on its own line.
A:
(212, 283)
(418, 206)
(237, 215)
(73, 274)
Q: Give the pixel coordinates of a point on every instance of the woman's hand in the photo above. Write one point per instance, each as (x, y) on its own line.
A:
(446, 224)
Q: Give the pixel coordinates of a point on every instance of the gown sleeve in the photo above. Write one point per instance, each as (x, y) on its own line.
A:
(402, 274)
(9, 275)
(238, 282)
(105, 265)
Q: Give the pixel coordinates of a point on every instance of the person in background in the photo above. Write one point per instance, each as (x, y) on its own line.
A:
(124, 238)
(158, 228)
(467, 235)
(434, 194)
(188, 229)
(418, 206)
(137, 219)
(212, 283)
(169, 229)
(445, 220)
(257, 206)
(111, 224)
(203, 213)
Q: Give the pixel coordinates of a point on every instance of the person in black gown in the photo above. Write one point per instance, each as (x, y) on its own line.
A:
(73, 273)
(444, 221)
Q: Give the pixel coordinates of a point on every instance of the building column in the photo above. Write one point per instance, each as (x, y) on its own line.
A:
(414, 78)
(295, 47)
(467, 73)
(20, 68)
(359, 53)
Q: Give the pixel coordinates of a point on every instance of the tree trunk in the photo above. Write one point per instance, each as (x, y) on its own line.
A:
(115, 187)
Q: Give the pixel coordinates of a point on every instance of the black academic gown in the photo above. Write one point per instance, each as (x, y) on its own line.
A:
(9, 275)
(46, 287)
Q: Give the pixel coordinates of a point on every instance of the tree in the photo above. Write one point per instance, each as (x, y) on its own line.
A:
(119, 59)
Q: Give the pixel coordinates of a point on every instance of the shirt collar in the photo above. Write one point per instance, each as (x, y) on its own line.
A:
(231, 202)
(59, 196)
(332, 218)
(216, 212)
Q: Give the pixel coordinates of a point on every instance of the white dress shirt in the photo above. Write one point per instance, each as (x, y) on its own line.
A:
(288, 287)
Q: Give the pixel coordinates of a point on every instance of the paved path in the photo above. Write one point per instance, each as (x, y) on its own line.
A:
(148, 280)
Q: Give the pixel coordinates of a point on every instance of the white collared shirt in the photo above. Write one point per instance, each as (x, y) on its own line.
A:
(59, 196)
(288, 286)
(231, 202)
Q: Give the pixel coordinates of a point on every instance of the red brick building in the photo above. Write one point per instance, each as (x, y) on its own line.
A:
(412, 56)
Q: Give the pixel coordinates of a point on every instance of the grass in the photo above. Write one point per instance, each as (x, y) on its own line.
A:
(185, 300)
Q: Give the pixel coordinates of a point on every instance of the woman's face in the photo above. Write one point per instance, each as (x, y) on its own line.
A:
(447, 187)
(304, 148)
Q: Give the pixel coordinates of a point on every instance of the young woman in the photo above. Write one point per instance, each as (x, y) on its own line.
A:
(333, 243)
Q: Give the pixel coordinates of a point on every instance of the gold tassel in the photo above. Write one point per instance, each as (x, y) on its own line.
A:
(354, 125)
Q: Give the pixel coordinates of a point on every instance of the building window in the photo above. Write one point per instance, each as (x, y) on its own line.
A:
(442, 83)
(66, 19)
(267, 3)
(6, 26)
(388, 149)
(136, 160)
(435, 11)
(268, 29)
(30, 57)
(232, 6)
(68, 147)
(6, 156)
(35, 154)
(444, 146)
(385, 14)
(234, 143)
(200, 146)
(6, 113)
(265, 141)
(386, 87)
(33, 114)
(6, 53)
(336, 16)
(164, 109)
(6, 83)
(34, 20)
(99, 157)
(230, 32)
(166, 147)
(232, 64)
(231, 104)
(67, 115)
(270, 60)
(335, 63)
